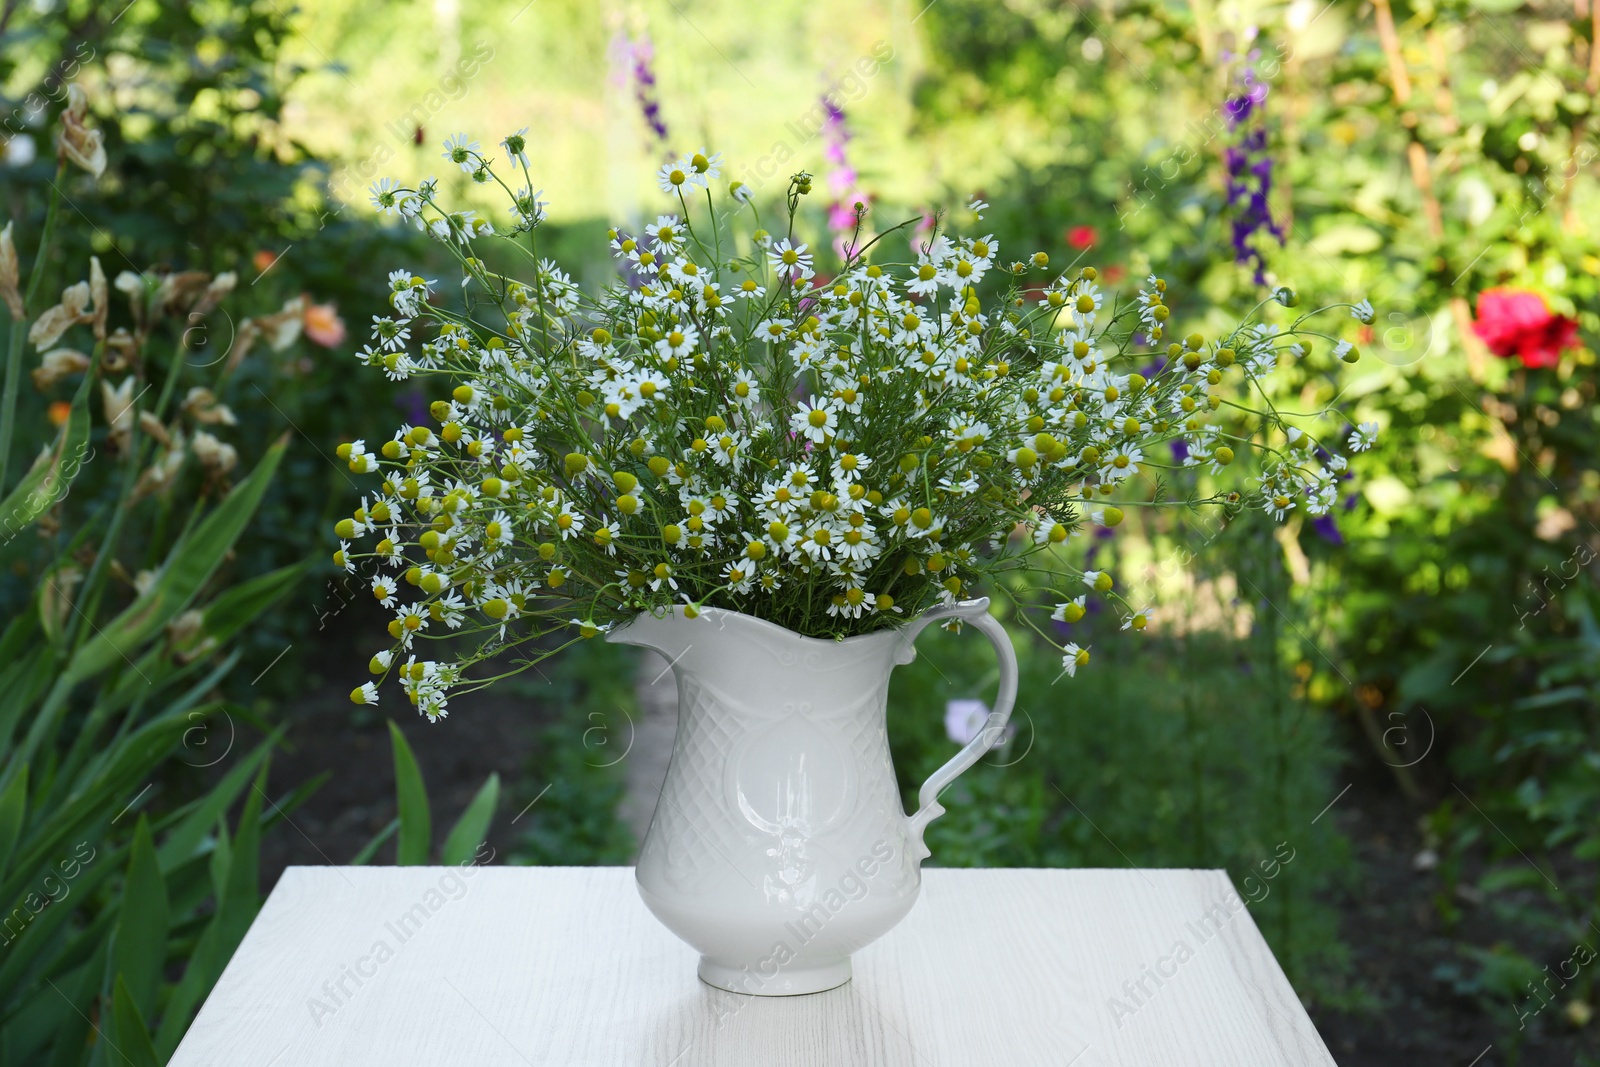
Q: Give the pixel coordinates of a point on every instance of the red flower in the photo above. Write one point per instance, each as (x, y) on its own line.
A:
(1515, 322)
(1082, 236)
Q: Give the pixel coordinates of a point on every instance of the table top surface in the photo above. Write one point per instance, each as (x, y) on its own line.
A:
(492, 966)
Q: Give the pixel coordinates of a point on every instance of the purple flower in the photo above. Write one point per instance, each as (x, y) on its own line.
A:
(1327, 529)
(1249, 168)
(415, 406)
(631, 60)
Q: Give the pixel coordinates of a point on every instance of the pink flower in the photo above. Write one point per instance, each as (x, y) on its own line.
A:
(323, 325)
(1516, 322)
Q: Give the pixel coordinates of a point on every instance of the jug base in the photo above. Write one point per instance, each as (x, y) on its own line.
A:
(792, 980)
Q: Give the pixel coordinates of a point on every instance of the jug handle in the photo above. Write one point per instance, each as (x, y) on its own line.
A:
(975, 612)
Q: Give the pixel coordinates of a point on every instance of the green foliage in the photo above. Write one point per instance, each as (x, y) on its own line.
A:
(202, 176)
(576, 773)
(1468, 551)
(473, 826)
(114, 905)
(97, 904)
(1183, 751)
(414, 823)
(1450, 609)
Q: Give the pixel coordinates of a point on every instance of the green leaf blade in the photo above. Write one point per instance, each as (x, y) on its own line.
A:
(472, 829)
(140, 954)
(416, 820)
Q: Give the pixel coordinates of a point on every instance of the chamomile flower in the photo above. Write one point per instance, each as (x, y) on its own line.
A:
(1071, 610)
(679, 342)
(780, 538)
(1362, 311)
(744, 390)
(498, 531)
(706, 168)
(859, 544)
(605, 537)
(773, 330)
(849, 604)
(790, 260)
(817, 419)
(720, 506)
(1072, 657)
(875, 444)
(820, 541)
(674, 176)
(516, 145)
(360, 460)
(666, 232)
(569, 523)
(462, 152)
(740, 577)
(926, 279)
(849, 467)
(386, 196)
(961, 271)
(685, 274)
(391, 334)
(959, 486)
(1362, 437)
(661, 575)
(530, 209)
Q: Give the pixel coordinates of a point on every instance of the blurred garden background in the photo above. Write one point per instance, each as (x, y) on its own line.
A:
(1384, 723)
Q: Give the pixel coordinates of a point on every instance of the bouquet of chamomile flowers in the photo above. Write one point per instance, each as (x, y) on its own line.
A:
(726, 426)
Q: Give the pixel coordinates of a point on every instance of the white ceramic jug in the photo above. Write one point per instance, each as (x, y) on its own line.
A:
(779, 844)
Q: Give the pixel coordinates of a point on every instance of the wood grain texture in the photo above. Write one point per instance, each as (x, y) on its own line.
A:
(563, 965)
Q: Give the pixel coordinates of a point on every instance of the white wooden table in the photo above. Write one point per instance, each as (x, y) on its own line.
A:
(390, 967)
